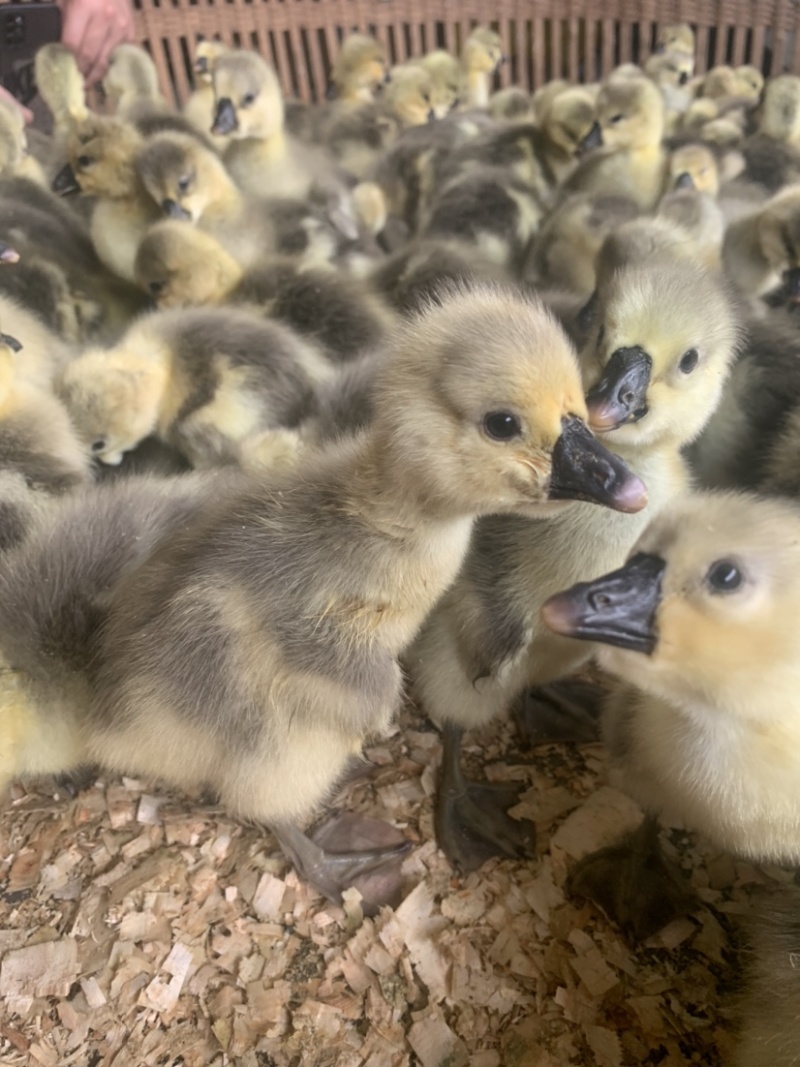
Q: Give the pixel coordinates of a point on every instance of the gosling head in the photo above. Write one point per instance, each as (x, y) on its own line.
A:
(131, 76)
(677, 37)
(180, 266)
(780, 109)
(112, 399)
(779, 238)
(249, 102)
(181, 175)
(60, 83)
(445, 74)
(750, 83)
(693, 166)
(569, 121)
(360, 68)
(483, 51)
(670, 70)
(658, 356)
(409, 95)
(705, 607)
(206, 53)
(630, 113)
(101, 152)
(483, 407)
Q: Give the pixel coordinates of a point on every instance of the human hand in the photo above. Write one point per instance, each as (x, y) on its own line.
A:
(92, 29)
(26, 113)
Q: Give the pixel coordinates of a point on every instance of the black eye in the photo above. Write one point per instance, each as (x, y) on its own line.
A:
(616, 118)
(724, 576)
(689, 361)
(248, 99)
(156, 287)
(183, 184)
(84, 161)
(501, 425)
(99, 445)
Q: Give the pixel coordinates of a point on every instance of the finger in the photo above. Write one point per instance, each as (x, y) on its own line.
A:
(76, 22)
(99, 66)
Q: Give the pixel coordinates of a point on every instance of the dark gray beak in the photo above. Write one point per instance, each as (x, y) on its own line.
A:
(593, 139)
(791, 285)
(201, 65)
(10, 342)
(173, 210)
(683, 77)
(583, 469)
(65, 183)
(618, 609)
(621, 394)
(684, 181)
(225, 120)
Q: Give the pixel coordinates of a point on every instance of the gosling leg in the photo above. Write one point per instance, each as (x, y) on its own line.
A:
(472, 823)
(330, 866)
(634, 883)
(563, 711)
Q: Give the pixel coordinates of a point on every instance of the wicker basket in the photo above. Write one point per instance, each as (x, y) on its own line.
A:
(544, 39)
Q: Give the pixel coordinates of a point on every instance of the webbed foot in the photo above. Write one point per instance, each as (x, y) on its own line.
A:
(472, 824)
(634, 883)
(349, 850)
(564, 711)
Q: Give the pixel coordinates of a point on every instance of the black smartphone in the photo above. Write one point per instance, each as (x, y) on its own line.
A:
(24, 28)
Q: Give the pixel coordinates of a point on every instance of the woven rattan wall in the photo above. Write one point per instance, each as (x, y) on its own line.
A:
(576, 39)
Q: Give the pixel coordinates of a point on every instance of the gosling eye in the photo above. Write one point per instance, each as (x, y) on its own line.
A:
(248, 99)
(601, 335)
(184, 183)
(616, 118)
(156, 287)
(426, 98)
(724, 576)
(688, 361)
(84, 161)
(99, 445)
(502, 426)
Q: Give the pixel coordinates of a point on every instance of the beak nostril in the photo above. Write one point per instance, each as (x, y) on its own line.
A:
(599, 601)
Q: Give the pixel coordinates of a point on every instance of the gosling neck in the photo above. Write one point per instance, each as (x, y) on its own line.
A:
(477, 88)
(390, 494)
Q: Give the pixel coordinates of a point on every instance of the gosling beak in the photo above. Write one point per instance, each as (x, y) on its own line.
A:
(111, 459)
(65, 183)
(791, 285)
(10, 342)
(583, 469)
(173, 210)
(201, 65)
(618, 609)
(685, 181)
(225, 120)
(8, 254)
(593, 139)
(621, 394)
(683, 78)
